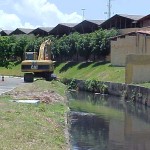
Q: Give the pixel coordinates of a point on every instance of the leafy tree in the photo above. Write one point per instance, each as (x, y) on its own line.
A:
(3, 50)
(72, 40)
(106, 41)
(85, 46)
(100, 42)
(19, 47)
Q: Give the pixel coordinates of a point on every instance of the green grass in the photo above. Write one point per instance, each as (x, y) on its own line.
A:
(93, 70)
(89, 70)
(99, 71)
(42, 85)
(15, 71)
(33, 127)
(86, 71)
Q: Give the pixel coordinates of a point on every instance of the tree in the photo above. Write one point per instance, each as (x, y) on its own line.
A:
(85, 46)
(19, 47)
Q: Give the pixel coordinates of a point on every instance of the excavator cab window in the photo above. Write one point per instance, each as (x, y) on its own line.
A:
(31, 56)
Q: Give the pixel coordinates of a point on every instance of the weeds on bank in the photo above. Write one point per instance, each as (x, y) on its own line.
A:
(30, 126)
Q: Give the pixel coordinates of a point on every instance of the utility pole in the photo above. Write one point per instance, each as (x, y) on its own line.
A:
(83, 9)
(109, 9)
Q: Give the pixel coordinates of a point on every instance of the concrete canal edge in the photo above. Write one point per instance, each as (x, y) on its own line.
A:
(132, 92)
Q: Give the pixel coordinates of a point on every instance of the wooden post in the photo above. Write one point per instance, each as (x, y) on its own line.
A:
(2, 78)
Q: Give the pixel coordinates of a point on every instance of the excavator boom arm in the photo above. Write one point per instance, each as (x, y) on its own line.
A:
(45, 51)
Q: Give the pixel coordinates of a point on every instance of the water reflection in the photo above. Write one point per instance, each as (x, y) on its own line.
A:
(107, 123)
(88, 131)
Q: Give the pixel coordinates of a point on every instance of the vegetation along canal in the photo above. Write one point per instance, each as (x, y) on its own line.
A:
(101, 122)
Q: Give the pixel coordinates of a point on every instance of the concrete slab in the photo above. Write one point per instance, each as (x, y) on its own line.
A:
(26, 101)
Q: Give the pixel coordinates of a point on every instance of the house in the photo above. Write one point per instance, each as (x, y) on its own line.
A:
(137, 43)
(144, 21)
(88, 26)
(41, 31)
(62, 28)
(122, 21)
(5, 32)
(19, 31)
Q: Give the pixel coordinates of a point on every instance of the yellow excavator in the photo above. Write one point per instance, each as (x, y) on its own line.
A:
(40, 65)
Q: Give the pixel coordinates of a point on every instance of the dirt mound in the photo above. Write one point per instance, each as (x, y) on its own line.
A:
(44, 96)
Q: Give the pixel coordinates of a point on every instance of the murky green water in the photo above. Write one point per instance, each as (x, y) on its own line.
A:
(107, 123)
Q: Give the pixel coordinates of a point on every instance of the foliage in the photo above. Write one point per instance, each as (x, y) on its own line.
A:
(67, 47)
(6, 43)
(96, 86)
(104, 88)
(91, 85)
(72, 84)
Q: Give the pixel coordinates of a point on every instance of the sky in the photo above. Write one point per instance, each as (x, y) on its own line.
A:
(48, 13)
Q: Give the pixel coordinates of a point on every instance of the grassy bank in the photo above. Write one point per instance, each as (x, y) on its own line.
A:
(85, 70)
(90, 70)
(14, 71)
(34, 127)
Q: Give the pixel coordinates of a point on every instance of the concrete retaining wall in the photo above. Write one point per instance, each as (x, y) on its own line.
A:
(127, 91)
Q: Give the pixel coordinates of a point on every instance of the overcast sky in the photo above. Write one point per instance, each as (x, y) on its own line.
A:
(48, 13)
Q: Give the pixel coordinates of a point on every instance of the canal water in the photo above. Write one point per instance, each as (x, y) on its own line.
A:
(102, 122)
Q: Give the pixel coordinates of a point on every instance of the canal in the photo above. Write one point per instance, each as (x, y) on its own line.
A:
(102, 122)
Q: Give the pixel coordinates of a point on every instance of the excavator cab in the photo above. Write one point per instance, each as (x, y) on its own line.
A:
(31, 56)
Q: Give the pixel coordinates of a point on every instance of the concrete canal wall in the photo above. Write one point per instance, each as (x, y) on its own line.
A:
(127, 91)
